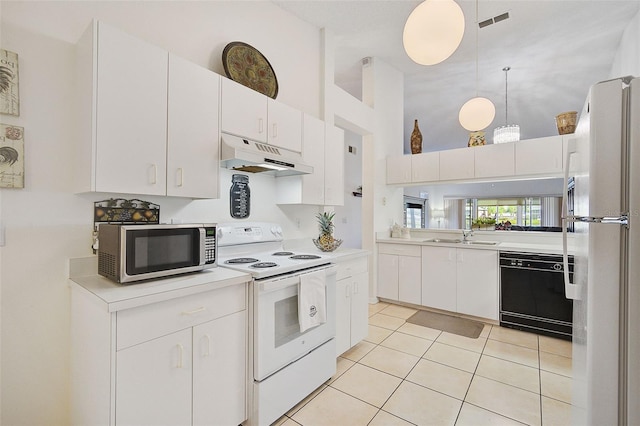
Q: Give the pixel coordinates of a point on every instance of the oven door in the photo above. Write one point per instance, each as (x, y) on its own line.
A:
(277, 338)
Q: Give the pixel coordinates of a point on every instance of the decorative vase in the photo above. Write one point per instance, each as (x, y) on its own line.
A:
(566, 122)
(477, 138)
(416, 139)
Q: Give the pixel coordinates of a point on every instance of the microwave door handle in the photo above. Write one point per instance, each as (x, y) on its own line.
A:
(571, 290)
(203, 235)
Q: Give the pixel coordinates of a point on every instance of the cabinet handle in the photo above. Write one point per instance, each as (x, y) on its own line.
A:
(274, 131)
(154, 174)
(180, 355)
(181, 176)
(260, 125)
(208, 347)
(195, 311)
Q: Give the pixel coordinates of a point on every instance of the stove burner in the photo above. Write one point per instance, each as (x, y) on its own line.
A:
(262, 265)
(305, 256)
(282, 253)
(239, 260)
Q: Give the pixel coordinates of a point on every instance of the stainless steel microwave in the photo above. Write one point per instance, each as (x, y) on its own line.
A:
(128, 253)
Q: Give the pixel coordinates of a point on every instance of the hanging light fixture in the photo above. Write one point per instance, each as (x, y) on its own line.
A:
(508, 132)
(477, 113)
(433, 31)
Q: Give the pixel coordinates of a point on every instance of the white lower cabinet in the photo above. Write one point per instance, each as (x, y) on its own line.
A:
(153, 381)
(460, 280)
(352, 304)
(181, 361)
(477, 291)
(439, 277)
(399, 272)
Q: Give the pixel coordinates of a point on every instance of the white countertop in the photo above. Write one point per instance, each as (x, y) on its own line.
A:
(124, 296)
(500, 246)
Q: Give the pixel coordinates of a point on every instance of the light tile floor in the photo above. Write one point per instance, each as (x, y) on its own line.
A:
(404, 374)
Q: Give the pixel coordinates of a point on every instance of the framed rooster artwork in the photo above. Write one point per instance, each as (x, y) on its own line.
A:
(11, 156)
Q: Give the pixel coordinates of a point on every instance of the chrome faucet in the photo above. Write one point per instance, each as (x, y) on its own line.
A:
(466, 233)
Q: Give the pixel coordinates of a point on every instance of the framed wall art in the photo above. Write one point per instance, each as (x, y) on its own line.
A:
(9, 83)
(11, 156)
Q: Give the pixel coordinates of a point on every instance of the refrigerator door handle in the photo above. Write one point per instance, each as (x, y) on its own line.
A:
(622, 220)
(571, 290)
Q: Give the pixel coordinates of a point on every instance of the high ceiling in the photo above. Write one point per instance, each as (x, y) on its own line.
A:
(556, 49)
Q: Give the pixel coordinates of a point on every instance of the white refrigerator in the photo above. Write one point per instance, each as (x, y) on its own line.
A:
(604, 158)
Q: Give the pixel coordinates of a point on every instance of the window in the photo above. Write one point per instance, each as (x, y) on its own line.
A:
(415, 212)
(524, 212)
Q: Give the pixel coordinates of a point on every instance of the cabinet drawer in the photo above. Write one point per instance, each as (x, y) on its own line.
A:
(400, 249)
(158, 319)
(352, 267)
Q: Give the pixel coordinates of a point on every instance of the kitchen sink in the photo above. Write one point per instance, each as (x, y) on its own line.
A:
(481, 243)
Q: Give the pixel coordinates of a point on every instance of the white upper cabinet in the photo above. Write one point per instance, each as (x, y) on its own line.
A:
(308, 188)
(193, 158)
(149, 124)
(123, 107)
(252, 115)
(425, 167)
(244, 111)
(539, 156)
(494, 160)
(334, 166)
(399, 169)
(285, 126)
(457, 164)
(323, 149)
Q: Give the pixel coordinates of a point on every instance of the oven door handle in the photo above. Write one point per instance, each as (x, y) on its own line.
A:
(571, 290)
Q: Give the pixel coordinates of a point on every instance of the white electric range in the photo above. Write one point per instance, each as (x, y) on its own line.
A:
(286, 364)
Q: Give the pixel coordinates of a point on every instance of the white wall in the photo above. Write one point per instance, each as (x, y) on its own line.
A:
(46, 224)
(627, 59)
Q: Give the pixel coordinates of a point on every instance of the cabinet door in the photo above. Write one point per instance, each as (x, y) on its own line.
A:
(313, 152)
(343, 316)
(359, 307)
(439, 277)
(220, 371)
(153, 382)
(457, 164)
(131, 108)
(425, 167)
(399, 169)
(494, 160)
(334, 167)
(478, 283)
(243, 111)
(409, 279)
(388, 276)
(539, 156)
(285, 126)
(193, 135)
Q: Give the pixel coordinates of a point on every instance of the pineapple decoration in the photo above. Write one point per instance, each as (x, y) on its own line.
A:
(326, 241)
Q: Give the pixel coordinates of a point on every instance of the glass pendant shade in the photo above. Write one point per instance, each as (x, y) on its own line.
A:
(508, 133)
(433, 31)
(476, 114)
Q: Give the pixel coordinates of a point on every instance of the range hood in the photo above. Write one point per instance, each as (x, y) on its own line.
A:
(246, 155)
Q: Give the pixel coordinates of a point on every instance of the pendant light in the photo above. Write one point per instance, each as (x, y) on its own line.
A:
(433, 31)
(508, 132)
(477, 113)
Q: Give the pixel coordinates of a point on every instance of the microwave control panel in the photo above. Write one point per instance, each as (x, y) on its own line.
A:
(210, 245)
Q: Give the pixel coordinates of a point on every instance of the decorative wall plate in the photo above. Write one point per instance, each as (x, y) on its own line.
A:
(247, 66)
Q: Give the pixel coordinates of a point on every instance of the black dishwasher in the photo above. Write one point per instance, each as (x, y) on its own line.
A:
(532, 296)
